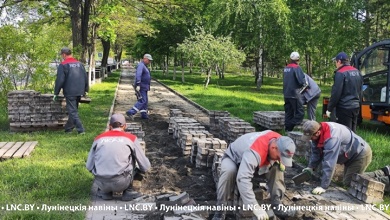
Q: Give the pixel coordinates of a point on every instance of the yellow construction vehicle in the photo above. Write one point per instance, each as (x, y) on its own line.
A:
(374, 64)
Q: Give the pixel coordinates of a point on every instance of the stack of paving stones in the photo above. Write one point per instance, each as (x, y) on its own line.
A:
(185, 139)
(216, 167)
(29, 110)
(175, 112)
(366, 189)
(136, 129)
(173, 115)
(231, 128)
(273, 120)
(203, 151)
(303, 148)
(214, 120)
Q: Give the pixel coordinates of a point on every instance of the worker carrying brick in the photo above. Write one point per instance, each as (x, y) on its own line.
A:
(112, 160)
(265, 152)
(331, 144)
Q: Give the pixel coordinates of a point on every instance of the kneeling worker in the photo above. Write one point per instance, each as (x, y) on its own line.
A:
(265, 151)
(331, 144)
(112, 160)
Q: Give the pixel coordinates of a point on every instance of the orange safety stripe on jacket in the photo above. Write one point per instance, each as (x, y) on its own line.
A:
(260, 146)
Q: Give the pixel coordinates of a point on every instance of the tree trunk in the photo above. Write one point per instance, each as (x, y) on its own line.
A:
(75, 16)
(174, 65)
(167, 64)
(259, 69)
(84, 29)
(92, 50)
(308, 64)
(106, 51)
(208, 77)
(182, 69)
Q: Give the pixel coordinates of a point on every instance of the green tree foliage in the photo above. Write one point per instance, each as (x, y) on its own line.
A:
(205, 50)
(26, 52)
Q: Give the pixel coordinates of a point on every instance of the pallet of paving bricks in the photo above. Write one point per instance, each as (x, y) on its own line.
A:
(224, 125)
(234, 129)
(206, 149)
(16, 149)
(175, 113)
(185, 139)
(303, 148)
(186, 128)
(174, 122)
(272, 120)
(366, 189)
(135, 129)
(29, 110)
(214, 118)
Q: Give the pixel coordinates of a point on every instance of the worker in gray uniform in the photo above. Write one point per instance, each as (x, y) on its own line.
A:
(310, 97)
(331, 144)
(265, 151)
(113, 158)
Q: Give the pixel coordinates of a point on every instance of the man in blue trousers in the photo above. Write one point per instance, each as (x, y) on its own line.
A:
(142, 86)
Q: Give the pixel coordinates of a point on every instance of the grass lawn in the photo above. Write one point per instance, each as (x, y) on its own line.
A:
(237, 94)
(54, 175)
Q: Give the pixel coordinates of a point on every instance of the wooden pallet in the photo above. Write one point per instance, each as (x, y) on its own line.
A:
(16, 149)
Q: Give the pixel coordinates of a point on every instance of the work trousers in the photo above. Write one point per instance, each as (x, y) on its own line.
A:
(141, 105)
(359, 165)
(227, 182)
(294, 113)
(312, 107)
(115, 184)
(72, 105)
(348, 117)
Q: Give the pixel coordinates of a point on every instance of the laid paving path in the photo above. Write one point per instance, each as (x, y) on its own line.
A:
(336, 203)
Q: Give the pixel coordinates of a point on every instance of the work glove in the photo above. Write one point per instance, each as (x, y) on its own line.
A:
(318, 190)
(328, 113)
(308, 169)
(281, 166)
(260, 214)
(55, 98)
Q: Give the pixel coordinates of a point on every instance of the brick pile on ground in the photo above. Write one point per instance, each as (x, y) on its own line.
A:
(185, 139)
(231, 128)
(303, 148)
(273, 120)
(184, 129)
(216, 167)
(366, 189)
(203, 150)
(136, 129)
(214, 120)
(29, 110)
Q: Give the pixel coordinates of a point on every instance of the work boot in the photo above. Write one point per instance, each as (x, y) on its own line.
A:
(144, 115)
(130, 116)
(106, 196)
(219, 215)
(282, 211)
(386, 170)
(130, 194)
